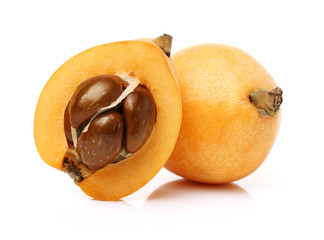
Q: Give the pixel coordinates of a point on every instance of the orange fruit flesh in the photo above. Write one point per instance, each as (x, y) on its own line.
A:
(223, 137)
(154, 70)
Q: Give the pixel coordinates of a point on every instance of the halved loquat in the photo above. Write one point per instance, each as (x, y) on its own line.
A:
(110, 116)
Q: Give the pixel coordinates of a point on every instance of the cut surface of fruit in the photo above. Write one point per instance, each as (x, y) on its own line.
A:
(141, 60)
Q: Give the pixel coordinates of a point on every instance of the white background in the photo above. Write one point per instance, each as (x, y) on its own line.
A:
(283, 199)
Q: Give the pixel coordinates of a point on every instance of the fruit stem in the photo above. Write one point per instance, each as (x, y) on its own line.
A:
(165, 43)
(267, 101)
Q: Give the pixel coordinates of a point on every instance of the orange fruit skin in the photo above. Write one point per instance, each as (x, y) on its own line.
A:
(222, 138)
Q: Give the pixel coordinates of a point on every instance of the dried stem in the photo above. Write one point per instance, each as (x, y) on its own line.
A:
(267, 101)
(165, 43)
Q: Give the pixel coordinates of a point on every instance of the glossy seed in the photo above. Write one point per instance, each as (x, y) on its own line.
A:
(103, 141)
(91, 95)
(139, 113)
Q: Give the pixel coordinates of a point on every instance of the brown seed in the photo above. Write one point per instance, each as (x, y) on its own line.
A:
(91, 95)
(139, 113)
(103, 141)
(67, 128)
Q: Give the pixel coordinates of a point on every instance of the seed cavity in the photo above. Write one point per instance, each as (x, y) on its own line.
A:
(109, 118)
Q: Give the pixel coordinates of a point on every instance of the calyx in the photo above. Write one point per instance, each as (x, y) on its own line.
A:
(267, 101)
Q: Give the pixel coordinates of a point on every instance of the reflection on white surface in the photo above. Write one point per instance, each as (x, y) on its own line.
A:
(190, 198)
(175, 200)
(183, 188)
